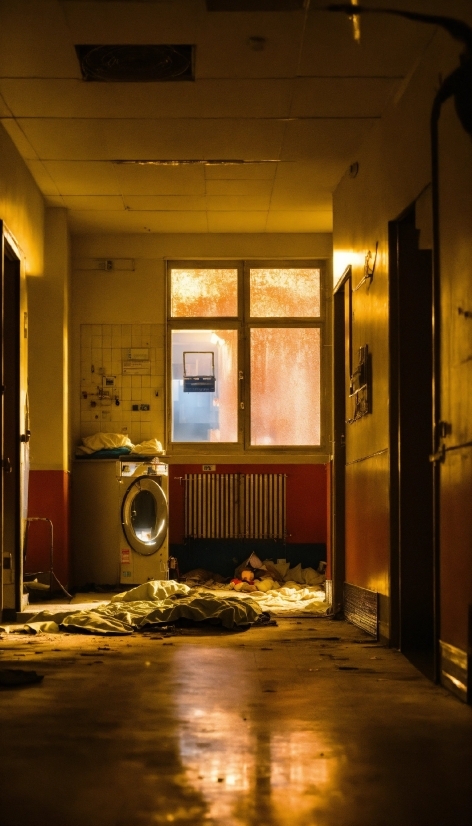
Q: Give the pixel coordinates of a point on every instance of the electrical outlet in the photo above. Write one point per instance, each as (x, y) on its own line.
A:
(144, 406)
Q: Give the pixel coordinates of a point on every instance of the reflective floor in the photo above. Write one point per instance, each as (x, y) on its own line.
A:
(309, 723)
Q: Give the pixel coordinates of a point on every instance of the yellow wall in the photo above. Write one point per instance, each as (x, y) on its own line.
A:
(21, 205)
(48, 358)
(123, 297)
(394, 169)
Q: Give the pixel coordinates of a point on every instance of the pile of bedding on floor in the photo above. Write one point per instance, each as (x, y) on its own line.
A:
(155, 602)
(277, 588)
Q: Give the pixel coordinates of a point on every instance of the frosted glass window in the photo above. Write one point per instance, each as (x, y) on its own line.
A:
(205, 416)
(285, 293)
(205, 293)
(285, 386)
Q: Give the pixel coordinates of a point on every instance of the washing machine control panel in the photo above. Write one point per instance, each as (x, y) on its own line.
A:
(144, 468)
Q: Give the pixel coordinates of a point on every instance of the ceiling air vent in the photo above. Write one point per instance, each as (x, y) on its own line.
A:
(255, 5)
(136, 63)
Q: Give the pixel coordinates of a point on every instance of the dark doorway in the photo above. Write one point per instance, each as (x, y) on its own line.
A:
(10, 429)
(342, 367)
(411, 348)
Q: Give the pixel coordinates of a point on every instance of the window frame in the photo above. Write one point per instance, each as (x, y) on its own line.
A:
(243, 324)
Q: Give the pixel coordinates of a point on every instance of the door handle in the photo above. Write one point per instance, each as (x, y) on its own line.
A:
(6, 466)
(25, 437)
(439, 456)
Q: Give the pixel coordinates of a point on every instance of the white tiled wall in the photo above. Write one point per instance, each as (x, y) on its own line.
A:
(103, 348)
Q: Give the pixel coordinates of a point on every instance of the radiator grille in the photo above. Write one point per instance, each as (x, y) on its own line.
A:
(235, 505)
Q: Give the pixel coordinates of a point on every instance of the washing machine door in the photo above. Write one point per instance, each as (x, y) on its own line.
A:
(144, 515)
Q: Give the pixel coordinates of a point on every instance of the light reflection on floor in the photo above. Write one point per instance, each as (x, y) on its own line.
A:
(252, 765)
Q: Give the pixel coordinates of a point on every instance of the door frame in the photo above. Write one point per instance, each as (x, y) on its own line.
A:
(413, 572)
(16, 408)
(342, 362)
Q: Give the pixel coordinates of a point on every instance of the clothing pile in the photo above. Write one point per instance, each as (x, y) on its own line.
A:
(153, 603)
(111, 445)
(276, 587)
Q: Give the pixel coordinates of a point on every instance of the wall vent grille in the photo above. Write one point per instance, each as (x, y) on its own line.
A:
(136, 63)
(361, 608)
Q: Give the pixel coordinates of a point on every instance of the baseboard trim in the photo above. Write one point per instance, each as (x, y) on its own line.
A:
(361, 608)
(454, 670)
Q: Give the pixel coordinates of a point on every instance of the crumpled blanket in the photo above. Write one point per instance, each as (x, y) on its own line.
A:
(148, 604)
(292, 599)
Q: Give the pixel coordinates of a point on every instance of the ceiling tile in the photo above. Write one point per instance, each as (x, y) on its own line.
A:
(35, 41)
(248, 172)
(139, 22)
(233, 203)
(82, 222)
(220, 98)
(5, 111)
(239, 187)
(322, 139)
(224, 50)
(80, 139)
(181, 203)
(174, 221)
(299, 222)
(84, 177)
(94, 202)
(309, 174)
(135, 179)
(237, 221)
(42, 177)
(301, 198)
(19, 138)
(347, 97)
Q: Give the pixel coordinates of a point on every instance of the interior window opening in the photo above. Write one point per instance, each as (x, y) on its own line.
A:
(203, 414)
(254, 376)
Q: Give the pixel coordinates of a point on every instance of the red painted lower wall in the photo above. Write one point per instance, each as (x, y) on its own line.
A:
(329, 477)
(48, 496)
(307, 498)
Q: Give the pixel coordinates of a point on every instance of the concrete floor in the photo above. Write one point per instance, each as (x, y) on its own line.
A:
(309, 723)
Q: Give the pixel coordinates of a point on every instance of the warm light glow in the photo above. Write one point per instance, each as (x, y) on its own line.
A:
(356, 24)
(285, 386)
(288, 292)
(204, 292)
(345, 258)
(233, 759)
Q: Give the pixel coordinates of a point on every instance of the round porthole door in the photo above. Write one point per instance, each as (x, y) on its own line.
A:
(144, 515)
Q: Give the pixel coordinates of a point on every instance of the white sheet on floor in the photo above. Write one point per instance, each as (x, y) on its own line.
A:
(291, 598)
(154, 602)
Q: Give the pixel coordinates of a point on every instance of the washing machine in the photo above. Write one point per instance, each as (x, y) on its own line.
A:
(144, 513)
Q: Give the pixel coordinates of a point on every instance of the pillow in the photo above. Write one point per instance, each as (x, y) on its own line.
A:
(295, 575)
(100, 440)
(264, 585)
(281, 567)
(312, 577)
(149, 448)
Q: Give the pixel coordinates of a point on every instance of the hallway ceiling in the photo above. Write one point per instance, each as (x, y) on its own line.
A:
(296, 102)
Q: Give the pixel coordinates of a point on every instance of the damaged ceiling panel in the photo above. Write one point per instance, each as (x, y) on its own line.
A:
(195, 115)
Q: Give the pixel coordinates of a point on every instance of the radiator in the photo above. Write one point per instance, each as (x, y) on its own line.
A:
(235, 505)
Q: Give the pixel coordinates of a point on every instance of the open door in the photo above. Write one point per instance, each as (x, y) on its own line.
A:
(342, 369)
(14, 433)
(411, 479)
